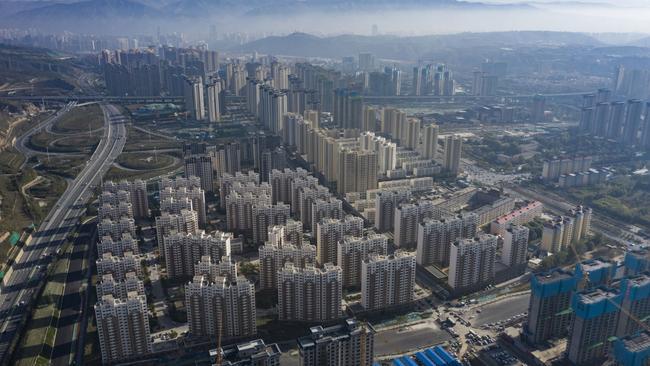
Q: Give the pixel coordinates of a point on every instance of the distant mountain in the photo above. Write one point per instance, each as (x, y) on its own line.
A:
(93, 15)
(405, 48)
(92, 9)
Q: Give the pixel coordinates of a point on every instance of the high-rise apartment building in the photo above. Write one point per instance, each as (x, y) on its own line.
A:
(166, 224)
(214, 101)
(224, 267)
(633, 350)
(330, 231)
(229, 180)
(435, 237)
(348, 344)
(170, 196)
(118, 266)
(549, 309)
(309, 294)
(515, 246)
(594, 322)
(114, 212)
(227, 159)
(278, 251)
(357, 171)
(471, 263)
(265, 216)
(184, 250)
(116, 228)
(387, 280)
(201, 166)
(119, 289)
(430, 141)
(217, 307)
(123, 327)
(194, 102)
(126, 243)
(281, 180)
(453, 148)
(635, 305)
(352, 250)
(385, 203)
(636, 261)
(240, 203)
(407, 218)
(324, 209)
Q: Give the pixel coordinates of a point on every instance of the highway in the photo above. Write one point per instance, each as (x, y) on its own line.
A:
(26, 276)
(21, 142)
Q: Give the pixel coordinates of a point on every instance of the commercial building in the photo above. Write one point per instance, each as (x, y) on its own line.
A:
(254, 352)
(309, 294)
(352, 250)
(217, 307)
(123, 327)
(471, 262)
(348, 344)
(387, 280)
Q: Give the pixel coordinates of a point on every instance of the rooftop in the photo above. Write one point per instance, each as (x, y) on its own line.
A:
(550, 277)
(638, 342)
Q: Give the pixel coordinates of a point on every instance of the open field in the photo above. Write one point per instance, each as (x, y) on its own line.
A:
(72, 144)
(80, 119)
(145, 161)
(10, 161)
(139, 140)
(117, 174)
(64, 166)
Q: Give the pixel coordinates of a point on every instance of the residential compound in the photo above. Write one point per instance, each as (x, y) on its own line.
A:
(121, 311)
(590, 306)
(564, 230)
